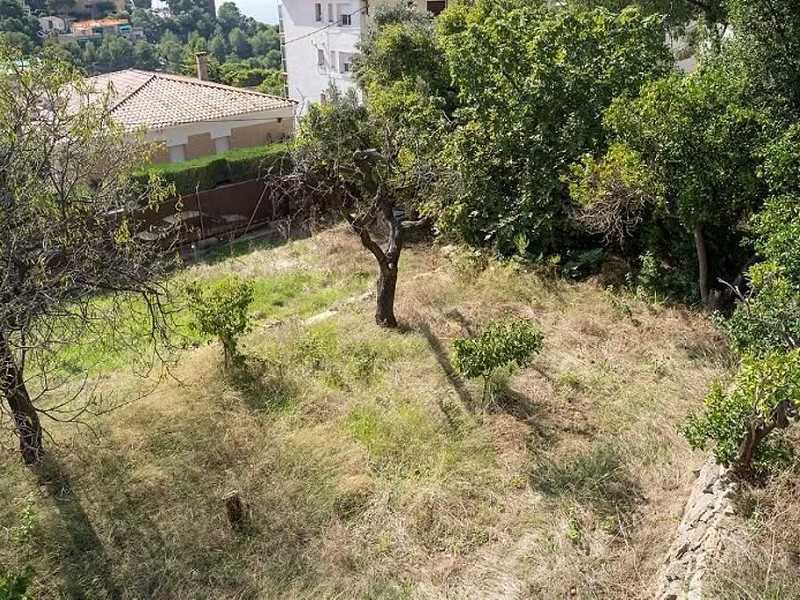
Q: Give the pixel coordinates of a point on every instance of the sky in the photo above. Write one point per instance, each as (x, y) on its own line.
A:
(265, 11)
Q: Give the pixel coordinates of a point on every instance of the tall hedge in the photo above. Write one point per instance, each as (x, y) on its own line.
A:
(209, 172)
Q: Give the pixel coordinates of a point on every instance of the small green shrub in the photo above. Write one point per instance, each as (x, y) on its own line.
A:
(220, 310)
(743, 421)
(503, 345)
(16, 587)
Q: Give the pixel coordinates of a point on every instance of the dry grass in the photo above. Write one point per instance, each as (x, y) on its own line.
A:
(368, 469)
(762, 550)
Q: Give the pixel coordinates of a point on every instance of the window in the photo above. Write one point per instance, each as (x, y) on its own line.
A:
(344, 61)
(320, 57)
(345, 20)
(330, 13)
(318, 12)
(322, 97)
(436, 6)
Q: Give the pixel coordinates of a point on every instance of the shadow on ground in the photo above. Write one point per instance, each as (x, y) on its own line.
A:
(84, 562)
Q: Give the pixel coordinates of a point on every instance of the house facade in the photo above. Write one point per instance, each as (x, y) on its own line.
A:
(319, 40)
(98, 29)
(193, 118)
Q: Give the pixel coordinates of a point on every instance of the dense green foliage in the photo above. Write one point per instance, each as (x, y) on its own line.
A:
(505, 344)
(16, 587)
(744, 420)
(208, 172)
(220, 310)
(532, 87)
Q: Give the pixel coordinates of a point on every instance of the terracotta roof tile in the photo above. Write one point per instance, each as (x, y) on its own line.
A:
(158, 100)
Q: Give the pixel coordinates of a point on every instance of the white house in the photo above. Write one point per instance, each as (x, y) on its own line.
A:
(320, 39)
(52, 25)
(192, 117)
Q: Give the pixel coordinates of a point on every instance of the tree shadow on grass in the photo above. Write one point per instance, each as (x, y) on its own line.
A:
(525, 411)
(597, 479)
(442, 357)
(83, 558)
(263, 385)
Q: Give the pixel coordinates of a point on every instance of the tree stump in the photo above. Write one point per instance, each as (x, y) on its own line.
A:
(235, 509)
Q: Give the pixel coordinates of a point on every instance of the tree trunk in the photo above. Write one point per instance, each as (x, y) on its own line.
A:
(387, 284)
(702, 263)
(26, 419)
(757, 433)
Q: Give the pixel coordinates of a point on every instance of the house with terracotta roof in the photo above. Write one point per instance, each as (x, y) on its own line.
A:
(194, 117)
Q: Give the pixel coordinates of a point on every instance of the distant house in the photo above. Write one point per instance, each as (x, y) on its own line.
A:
(192, 117)
(95, 30)
(52, 25)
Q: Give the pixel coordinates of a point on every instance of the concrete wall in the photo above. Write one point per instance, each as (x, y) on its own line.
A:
(318, 44)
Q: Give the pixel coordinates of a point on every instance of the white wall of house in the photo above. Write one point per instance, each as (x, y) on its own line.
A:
(176, 138)
(52, 24)
(320, 39)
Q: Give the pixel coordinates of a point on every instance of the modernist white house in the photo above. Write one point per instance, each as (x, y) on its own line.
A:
(320, 39)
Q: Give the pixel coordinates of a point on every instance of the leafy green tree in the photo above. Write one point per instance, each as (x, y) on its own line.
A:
(220, 310)
(55, 7)
(698, 137)
(115, 53)
(266, 40)
(507, 344)
(768, 40)
(677, 13)
(18, 26)
(239, 43)
(533, 84)
(241, 75)
(229, 17)
(144, 56)
(171, 52)
(70, 52)
(273, 84)
(768, 318)
(742, 422)
(218, 47)
(153, 25)
(346, 157)
(69, 213)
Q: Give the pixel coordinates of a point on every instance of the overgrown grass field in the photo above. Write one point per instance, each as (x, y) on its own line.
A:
(370, 469)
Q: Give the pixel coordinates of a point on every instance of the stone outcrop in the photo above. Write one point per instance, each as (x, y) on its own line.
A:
(700, 535)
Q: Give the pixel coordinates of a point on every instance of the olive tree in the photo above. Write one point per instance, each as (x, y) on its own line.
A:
(72, 268)
(348, 158)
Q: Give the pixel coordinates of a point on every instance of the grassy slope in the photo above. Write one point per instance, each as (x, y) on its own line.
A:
(368, 469)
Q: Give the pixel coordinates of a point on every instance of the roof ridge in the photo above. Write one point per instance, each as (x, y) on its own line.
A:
(212, 84)
(139, 88)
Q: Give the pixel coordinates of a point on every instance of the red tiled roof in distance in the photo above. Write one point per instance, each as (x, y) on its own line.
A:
(159, 100)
